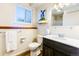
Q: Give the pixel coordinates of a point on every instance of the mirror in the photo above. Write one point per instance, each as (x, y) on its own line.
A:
(57, 18)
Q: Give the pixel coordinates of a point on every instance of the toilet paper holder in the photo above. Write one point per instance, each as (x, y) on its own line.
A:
(22, 40)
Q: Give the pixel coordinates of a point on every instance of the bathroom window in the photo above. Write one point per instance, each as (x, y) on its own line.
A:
(23, 15)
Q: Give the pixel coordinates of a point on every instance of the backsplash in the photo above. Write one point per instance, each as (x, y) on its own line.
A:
(67, 31)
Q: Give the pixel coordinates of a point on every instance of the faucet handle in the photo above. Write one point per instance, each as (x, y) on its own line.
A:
(61, 35)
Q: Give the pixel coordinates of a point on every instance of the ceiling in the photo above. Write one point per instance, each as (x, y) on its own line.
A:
(37, 5)
(45, 4)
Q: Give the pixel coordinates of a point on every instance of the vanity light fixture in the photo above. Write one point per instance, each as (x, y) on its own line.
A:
(59, 6)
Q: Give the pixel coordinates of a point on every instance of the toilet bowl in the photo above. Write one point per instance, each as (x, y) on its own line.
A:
(34, 49)
(35, 46)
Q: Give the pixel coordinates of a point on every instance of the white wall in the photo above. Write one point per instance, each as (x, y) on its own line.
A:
(71, 19)
(7, 17)
(67, 31)
(71, 16)
(28, 34)
(42, 28)
(70, 26)
(8, 14)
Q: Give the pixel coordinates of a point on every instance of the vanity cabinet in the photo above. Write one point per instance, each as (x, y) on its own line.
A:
(47, 51)
(54, 48)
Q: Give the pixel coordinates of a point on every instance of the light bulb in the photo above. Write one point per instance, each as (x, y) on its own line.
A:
(61, 5)
(67, 4)
(55, 7)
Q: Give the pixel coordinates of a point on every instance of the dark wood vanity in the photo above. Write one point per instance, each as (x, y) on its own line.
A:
(54, 48)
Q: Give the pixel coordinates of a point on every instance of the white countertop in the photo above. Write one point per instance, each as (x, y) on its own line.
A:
(65, 40)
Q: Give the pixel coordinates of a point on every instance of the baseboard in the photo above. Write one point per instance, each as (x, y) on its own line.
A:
(26, 53)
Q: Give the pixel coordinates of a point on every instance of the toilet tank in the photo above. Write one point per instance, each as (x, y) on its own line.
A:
(39, 39)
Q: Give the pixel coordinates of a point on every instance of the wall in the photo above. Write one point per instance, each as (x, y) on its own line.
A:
(67, 31)
(44, 27)
(71, 19)
(71, 16)
(70, 26)
(7, 17)
(8, 14)
(70, 22)
(28, 34)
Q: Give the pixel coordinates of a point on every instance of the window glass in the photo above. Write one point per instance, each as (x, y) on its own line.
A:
(20, 14)
(28, 16)
(23, 15)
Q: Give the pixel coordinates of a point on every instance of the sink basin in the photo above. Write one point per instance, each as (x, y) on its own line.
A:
(55, 37)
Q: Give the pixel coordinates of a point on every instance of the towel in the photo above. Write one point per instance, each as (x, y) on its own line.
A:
(11, 40)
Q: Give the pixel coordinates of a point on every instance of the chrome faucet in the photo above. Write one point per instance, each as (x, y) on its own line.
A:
(60, 35)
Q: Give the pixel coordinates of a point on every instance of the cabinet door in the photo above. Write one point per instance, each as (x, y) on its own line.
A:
(59, 53)
(47, 51)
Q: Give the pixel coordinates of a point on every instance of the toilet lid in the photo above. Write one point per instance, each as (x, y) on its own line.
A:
(33, 45)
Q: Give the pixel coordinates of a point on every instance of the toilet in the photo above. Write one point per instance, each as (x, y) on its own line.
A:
(35, 47)
(39, 39)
